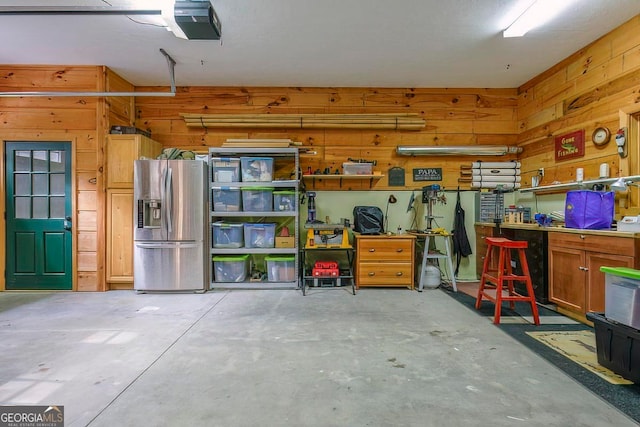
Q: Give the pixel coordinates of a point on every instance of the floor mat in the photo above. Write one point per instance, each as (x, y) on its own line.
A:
(579, 346)
(518, 324)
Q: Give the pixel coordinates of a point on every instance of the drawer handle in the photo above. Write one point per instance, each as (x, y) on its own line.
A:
(371, 274)
(372, 250)
(399, 250)
(583, 268)
(582, 236)
(399, 273)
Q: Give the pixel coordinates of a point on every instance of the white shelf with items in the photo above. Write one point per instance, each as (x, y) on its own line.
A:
(232, 265)
(579, 185)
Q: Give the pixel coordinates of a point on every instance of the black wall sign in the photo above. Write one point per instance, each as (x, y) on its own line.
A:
(427, 174)
(396, 177)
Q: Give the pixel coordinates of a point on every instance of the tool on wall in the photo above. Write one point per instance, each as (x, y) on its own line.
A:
(621, 142)
(311, 207)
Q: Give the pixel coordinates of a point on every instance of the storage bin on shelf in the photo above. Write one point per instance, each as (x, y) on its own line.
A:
(257, 199)
(225, 169)
(230, 268)
(257, 169)
(284, 200)
(354, 168)
(259, 235)
(280, 268)
(622, 295)
(228, 235)
(226, 199)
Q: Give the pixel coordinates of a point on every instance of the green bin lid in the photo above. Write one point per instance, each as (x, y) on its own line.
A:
(257, 189)
(287, 192)
(622, 271)
(279, 258)
(231, 257)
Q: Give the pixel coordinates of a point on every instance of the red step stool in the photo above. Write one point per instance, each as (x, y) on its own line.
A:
(497, 285)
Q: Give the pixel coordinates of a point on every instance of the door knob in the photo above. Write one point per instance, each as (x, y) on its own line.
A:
(67, 223)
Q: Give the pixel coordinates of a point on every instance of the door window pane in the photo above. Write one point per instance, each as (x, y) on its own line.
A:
(40, 183)
(22, 184)
(40, 161)
(23, 207)
(57, 161)
(57, 184)
(57, 207)
(40, 207)
(22, 161)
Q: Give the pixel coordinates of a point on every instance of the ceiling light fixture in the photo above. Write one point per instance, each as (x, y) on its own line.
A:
(538, 13)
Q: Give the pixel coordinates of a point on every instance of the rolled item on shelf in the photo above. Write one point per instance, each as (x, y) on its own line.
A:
(495, 165)
(503, 178)
(495, 172)
(494, 184)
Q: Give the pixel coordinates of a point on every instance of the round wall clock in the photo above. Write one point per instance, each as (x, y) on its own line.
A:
(601, 136)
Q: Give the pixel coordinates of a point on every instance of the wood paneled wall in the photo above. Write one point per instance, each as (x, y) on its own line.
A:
(597, 86)
(84, 121)
(453, 117)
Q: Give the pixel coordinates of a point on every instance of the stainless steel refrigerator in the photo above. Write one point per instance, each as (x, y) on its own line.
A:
(170, 225)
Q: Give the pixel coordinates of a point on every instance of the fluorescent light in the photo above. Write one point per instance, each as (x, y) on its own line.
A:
(540, 12)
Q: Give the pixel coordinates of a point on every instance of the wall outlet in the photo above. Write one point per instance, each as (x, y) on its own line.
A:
(541, 172)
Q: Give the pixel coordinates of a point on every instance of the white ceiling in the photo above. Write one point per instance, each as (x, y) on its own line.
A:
(326, 43)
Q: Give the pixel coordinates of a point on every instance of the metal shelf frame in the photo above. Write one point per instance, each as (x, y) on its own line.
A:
(289, 154)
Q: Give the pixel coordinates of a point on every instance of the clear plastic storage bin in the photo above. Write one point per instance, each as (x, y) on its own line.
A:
(280, 268)
(225, 169)
(257, 199)
(284, 201)
(622, 295)
(353, 168)
(227, 235)
(226, 199)
(230, 268)
(257, 169)
(259, 235)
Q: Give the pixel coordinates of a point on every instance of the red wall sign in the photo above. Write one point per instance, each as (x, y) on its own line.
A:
(570, 145)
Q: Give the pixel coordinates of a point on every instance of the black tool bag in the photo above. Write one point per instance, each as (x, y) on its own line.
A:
(368, 220)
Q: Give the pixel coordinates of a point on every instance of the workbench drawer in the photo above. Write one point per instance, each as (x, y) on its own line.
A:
(595, 243)
(385, 249)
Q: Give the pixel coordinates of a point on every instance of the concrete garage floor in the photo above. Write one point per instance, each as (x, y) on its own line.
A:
(384, 357)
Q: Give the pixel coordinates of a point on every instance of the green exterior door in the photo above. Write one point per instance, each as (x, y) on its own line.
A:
(38, 216)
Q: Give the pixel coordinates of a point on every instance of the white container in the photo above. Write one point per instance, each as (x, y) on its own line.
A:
(604, 170)
(257, 169)
(629, 223)
(226, 199)
(622, 295)
(225, 169)
(280, 269)
(432, 276)
(230, 268)
(353, 168)
(257, 199)
(259, 235)
(227, 235)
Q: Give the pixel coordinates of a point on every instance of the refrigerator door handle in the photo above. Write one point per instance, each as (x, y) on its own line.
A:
(168, 199)
(167, 245)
